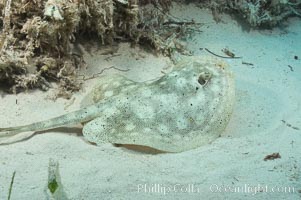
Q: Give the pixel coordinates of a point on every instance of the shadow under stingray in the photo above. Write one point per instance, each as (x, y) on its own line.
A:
(140, 149)
(77, 131)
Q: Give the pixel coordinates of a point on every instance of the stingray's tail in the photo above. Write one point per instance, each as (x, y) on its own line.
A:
(83, 115)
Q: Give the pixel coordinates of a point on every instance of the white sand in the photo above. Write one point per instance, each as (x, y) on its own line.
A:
(267, 93)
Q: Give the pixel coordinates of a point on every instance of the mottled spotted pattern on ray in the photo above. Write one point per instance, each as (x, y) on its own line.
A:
(174, 113)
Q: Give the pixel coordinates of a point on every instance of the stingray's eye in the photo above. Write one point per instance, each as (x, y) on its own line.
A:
(204, 77)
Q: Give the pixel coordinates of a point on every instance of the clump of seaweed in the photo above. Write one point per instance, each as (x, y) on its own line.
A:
(266, 12)
(36, 36)
(257, 13)
(35, 41)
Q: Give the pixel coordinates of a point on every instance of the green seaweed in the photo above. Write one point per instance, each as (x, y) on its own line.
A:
(53, 185)
(11, 185)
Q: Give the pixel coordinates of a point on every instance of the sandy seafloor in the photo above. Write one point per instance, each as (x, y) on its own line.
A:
(266, 119)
